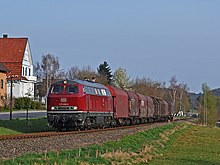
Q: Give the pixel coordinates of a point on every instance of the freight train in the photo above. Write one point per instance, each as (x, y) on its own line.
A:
(80, 104)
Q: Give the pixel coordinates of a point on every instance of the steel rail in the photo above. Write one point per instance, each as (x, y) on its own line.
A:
(54, 133)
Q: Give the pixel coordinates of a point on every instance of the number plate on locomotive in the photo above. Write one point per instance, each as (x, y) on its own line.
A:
(63, 100)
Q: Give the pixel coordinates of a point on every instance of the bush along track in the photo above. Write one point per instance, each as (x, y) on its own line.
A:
(139, 148)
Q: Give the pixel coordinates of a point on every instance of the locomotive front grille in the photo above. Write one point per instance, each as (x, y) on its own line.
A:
(64, 108)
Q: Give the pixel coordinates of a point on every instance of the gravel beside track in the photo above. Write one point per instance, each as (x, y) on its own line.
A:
(10, 149)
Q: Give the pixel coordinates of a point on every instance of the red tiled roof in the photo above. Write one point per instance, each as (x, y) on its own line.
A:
(3, 68)
(12, 53)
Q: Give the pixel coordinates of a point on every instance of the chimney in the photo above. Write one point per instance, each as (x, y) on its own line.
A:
(5, 36)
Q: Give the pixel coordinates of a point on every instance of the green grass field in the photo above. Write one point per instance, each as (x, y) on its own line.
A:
(18, 126)
(174, 144)
(197, 146)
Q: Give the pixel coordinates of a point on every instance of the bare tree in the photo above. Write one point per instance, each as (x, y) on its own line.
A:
(61, 74)
(50, 67)
(182, 97)
(46, 71)
(81, 73)
(147, 86)
(178, 93)
(38, 71)
(173, 90)
(72, 72)
(208, 109)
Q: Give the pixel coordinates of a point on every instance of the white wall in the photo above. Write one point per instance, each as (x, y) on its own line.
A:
(21, 89)
(24, 88)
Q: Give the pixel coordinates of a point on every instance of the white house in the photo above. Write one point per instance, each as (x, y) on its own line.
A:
(15, 54)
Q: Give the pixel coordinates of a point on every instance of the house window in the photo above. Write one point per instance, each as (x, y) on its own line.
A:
(2, 83)
(29, 72)
(25, 71)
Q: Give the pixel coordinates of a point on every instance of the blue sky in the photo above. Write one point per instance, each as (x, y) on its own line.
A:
(151, 38)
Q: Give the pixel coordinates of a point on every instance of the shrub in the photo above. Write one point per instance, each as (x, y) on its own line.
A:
(33, 104)
(36, 105)
(27, 103)
(39, 105)
(5, 102)
(19, 103)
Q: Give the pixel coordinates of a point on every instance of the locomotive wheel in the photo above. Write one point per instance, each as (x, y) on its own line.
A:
(115, 123)
(89, 123)
(127, 122)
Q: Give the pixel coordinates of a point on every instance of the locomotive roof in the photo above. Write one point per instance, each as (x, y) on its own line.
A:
(82, 82)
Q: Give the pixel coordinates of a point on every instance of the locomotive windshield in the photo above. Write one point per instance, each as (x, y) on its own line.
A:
(58, 89)
(71, 89)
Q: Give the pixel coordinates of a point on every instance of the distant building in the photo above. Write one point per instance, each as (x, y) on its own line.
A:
(15, 54)
(3, 82)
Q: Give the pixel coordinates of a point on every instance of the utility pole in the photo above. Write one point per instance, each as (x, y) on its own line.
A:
(11, 94)
(11, 98)
(205, 109)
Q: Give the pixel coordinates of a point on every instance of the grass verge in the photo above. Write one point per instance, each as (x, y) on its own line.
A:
(197, 146)
(133, 149)
(177, 143)
(17, 126)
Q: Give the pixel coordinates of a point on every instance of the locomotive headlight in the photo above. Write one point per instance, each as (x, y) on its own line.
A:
(75, 107)
(52, 108)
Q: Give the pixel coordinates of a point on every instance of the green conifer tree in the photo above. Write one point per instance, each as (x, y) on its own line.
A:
(104, 70)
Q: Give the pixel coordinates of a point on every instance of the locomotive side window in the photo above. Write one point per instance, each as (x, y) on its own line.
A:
(99, 91)
(84, 89)
(108, 93)
(71, 89)
(88, 90)
(103, 92)
(92, 91)
(96, 91)
(57, 89)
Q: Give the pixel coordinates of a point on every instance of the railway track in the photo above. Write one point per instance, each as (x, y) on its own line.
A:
(12, 146)
(54, 133)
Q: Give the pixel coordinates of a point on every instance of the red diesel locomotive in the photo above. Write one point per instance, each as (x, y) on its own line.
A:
(84, 104)
(77, 103)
